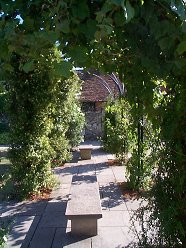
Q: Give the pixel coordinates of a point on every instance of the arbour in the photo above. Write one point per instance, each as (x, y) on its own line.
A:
(144, 41)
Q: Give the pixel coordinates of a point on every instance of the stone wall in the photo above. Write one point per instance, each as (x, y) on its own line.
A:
(94, 124)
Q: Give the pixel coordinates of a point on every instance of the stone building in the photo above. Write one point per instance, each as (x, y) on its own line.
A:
(96, 88)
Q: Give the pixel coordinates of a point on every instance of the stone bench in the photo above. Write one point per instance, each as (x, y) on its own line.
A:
(85, 151)
(84, 207)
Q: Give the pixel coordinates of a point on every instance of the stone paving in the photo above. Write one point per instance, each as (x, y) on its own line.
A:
(43, 224)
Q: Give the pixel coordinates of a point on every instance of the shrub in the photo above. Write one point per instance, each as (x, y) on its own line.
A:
(39, 120)
(131, 137)
(116, 128)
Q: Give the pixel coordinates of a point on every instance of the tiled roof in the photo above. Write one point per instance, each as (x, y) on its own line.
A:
(93, 89)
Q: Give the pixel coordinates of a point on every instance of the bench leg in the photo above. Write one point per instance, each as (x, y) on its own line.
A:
(85, 153)
(84, 226)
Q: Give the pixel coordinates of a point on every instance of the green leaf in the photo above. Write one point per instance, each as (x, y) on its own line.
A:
(164, 43)
(181, 47)
(184, 27)
(180, 63)
(28, 66)
(63, 69)
(8, 67)
(117, 2)
(3, 50)
(51, 36)
(106, 7)
(99, 16)
(129, 14)
(28, 23)
(91, 28)
(82, 10)
(119, 19)
(107, 28)
(63, 26)
(78, 54)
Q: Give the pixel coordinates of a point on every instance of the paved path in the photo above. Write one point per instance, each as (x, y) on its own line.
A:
(43, 224)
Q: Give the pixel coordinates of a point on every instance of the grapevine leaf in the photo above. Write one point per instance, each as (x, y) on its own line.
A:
(164, 43)
(119, 19)
(129, 14)
(78, 54)
(184, 27)
(91, 28)
(63, 69)
(28, 66)
(181, 47)
(82, 10)
(8, 67)
(63, 26)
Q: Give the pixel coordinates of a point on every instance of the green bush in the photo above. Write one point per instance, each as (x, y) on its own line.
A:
(40, 117)
(68, 120)
(4, 138)
(4, 127)
(131, 137)
(116, 128)
(76, 119)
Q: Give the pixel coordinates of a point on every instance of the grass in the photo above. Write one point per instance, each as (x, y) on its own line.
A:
(4, 231)
(5, 192)
(5, 182)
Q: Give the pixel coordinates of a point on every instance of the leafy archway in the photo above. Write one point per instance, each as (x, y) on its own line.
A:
(145, 43)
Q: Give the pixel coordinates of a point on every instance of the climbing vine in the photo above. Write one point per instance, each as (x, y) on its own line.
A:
(145, 43)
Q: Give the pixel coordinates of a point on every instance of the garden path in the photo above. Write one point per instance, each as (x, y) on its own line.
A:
(43, 224)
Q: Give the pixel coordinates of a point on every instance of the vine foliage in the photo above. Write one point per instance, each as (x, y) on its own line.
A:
(145, 43)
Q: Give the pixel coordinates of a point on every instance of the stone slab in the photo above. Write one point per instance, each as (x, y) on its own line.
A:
(43, 238)
(130, 235)
(85, 146)
(110, 237)
(105, 204)
(66, 170)
(85, 162)
(56, 219)
(64, 179)
(114, 219)
(60, 193)
(64, 186)
(104, 172)
(111, 198)
(85, 199)
(8, 209)
(99, 160)
(105, 178)
(100, 167)
(31, 232)
(110, 190)
(20, 230)
(132, 205)
(63, 238)
(87, 170)
(111, 156)
(119, 173)
(56, 206)
(33, 208)
(117, 205)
